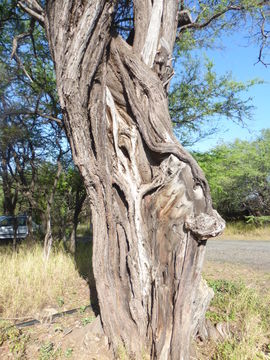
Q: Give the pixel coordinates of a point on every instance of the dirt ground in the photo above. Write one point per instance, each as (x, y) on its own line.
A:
(77, 336)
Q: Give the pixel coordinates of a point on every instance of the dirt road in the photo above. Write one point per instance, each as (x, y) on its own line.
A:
(255, 254)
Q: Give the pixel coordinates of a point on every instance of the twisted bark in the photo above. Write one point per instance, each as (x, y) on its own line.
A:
(150, 202)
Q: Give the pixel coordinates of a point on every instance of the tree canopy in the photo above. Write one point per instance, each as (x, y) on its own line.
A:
(239, 176)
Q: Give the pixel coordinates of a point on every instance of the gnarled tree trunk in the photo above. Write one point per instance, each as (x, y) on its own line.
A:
(150, 202)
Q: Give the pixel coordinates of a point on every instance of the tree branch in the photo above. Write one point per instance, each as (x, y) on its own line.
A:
(33, 8)
(37, 113)
(196, 25)
(265, 36)
(14, 52)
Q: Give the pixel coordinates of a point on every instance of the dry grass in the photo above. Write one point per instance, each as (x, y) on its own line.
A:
(242, 231)
(28, 284)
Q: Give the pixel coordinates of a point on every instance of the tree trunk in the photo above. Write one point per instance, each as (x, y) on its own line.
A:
(150, 203)
(29, 222)
(78, 208)
(10, 197)
(48, 240)
(48, 235)
(15, 229)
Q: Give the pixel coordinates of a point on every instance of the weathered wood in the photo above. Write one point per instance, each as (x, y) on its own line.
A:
(150, 202)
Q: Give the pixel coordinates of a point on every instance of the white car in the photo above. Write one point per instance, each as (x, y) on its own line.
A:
(7, 227)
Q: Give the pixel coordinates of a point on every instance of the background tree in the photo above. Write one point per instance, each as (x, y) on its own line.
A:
(239, 176)
(199, 99)
(68, 205)
(30, 126)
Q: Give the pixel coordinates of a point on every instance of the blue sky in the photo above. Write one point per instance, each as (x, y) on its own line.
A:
(239, 58)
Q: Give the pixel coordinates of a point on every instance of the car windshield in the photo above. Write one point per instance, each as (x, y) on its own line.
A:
(21, 221)
(6, 222)
(9, 221)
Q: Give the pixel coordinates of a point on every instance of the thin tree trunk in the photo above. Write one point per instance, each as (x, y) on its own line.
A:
(150, 202)
(10, 198)
(48, 236)
(78, 208)
(15, 228)
(29, 222)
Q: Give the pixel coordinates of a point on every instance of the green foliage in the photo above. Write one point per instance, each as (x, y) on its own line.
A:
(214, 19)
(200, 98)
(257, 220)
(239, 176)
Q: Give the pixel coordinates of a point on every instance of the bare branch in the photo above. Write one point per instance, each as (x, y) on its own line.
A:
(27, 112)
(15, 42)
(16, 57)
(33, 8)
(265, 36)
(15, 46)
(196, 25)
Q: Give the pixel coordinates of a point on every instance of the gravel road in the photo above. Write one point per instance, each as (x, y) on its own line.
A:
(255, 254)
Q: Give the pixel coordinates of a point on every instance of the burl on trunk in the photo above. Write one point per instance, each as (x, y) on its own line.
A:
(150, 202)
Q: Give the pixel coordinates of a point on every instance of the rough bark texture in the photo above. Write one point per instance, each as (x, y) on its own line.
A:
(150, 202)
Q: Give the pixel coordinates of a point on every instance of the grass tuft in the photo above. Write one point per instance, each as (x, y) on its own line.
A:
(28, 284)
(248, 317)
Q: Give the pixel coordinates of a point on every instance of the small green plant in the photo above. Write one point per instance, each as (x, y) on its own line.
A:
(4, 325)
(83, 308)
(87, 320)
(60, 301)
(68, 353)
(46, 351)
(17, 340)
